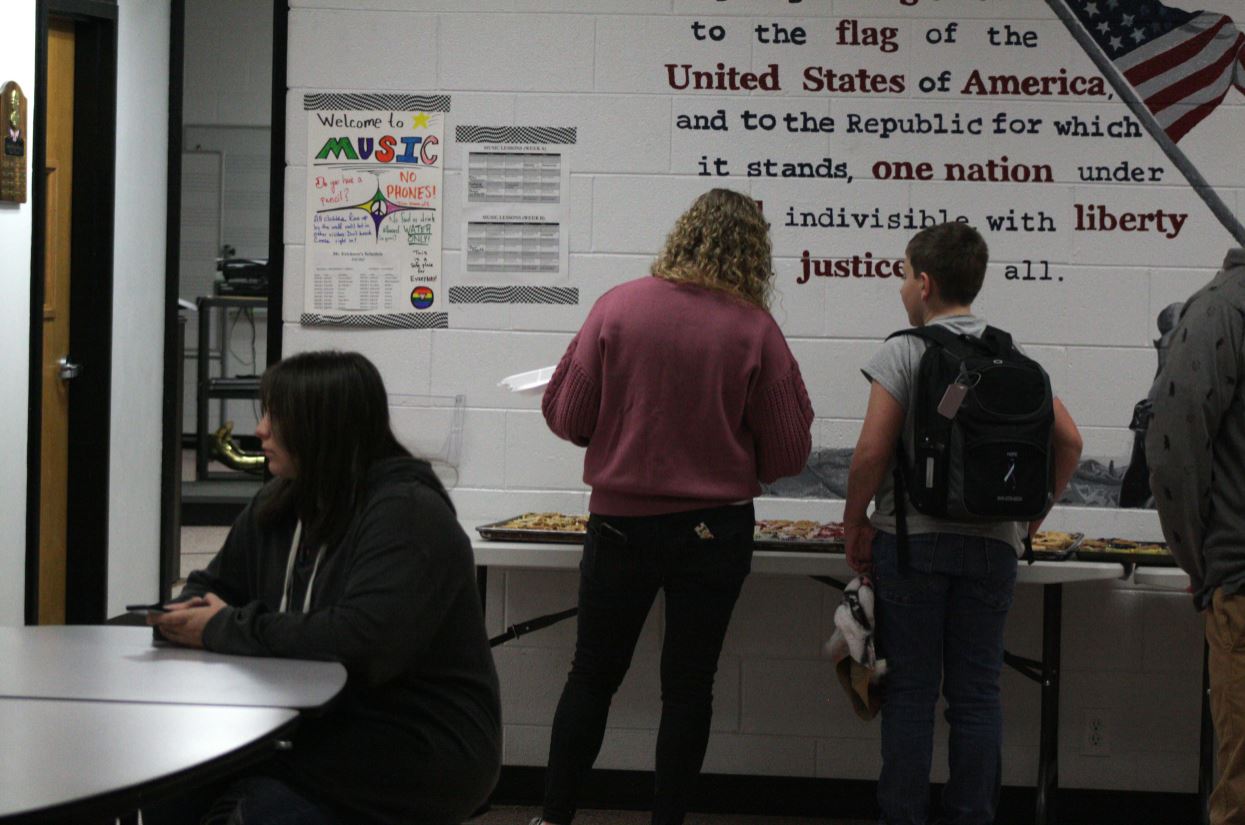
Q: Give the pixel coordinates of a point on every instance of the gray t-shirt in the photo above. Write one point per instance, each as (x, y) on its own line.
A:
(894, 366)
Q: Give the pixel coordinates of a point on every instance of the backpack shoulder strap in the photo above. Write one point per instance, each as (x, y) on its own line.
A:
(998, 340)
(961, 346)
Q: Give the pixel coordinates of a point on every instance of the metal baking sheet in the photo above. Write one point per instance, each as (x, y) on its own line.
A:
(1123, 556)
(1052, 555)
(801, 545)
(1063, 553)
(498, 532)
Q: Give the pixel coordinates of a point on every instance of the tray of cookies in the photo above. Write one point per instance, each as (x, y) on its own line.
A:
(1126, 551)
(557, 528)
(768, 534)
(1055, 545)
(804, 535)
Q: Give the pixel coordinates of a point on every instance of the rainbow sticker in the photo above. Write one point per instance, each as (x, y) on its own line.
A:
(421, 297)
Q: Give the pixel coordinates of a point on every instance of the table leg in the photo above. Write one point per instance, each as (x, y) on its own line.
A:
(1048, 747)
(1206, 748)
(201, 397)
(482, 586)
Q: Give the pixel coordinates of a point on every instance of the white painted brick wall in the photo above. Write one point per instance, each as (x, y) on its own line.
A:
(518, 48)
(644, 120)
(384, 35)
(632, 51)
(832, 370)
(633, 214)
(1067, 318)
(536, 462)
(1133, 653)
(473, 361)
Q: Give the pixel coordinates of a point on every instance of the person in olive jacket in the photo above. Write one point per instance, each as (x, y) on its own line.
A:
(351, 554)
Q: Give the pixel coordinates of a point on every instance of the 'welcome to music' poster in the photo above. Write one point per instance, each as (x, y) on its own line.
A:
(374, 190)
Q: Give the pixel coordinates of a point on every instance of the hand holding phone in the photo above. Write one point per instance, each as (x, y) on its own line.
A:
(166, 607)
(184, 622)
(144, 609)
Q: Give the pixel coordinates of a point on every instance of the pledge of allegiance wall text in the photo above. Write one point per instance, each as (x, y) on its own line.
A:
(894, 144)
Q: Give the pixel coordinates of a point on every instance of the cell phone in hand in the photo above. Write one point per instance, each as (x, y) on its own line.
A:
(144, 609)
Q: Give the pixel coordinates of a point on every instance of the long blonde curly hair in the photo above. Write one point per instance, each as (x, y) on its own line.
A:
(721, 242)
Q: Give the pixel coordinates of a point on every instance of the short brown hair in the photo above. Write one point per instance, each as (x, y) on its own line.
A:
(955, 255)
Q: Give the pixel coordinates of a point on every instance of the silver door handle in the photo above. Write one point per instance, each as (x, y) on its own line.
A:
(68, 369)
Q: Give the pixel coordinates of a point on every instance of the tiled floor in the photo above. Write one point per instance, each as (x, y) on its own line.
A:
(521, 816)
(199, 545)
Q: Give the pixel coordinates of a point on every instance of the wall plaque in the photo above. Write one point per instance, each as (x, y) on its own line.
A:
(13, 156)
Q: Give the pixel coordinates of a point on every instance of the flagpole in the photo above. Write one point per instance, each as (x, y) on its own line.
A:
(1138, 107)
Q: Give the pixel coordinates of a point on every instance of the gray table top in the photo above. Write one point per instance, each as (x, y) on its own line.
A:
(58, 753)
(120, 664)
(522, 554)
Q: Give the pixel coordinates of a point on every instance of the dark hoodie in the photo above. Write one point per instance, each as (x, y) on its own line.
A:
(415, 735)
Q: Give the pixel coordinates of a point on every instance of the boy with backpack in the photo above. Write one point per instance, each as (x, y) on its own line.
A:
(964, 449)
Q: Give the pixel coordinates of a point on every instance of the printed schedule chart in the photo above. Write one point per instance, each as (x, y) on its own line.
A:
(514, 177)
(513, 246)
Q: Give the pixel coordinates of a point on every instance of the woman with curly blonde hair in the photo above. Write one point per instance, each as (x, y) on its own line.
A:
(686, 395)
(721, 242)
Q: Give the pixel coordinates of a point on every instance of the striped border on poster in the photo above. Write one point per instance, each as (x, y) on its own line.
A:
(516, 134)
(371, 101)
(567, 295)
(432, 320)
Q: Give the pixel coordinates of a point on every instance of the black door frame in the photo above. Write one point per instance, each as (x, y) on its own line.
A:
(90, 305)
(171, 438)
(276, 186)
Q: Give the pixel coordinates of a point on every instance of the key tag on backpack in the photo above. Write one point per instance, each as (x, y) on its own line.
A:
(953, 398)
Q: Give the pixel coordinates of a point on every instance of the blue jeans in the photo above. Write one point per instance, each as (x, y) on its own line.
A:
(940, 623)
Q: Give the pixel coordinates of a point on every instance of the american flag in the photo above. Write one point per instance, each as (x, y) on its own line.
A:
(1180, 63)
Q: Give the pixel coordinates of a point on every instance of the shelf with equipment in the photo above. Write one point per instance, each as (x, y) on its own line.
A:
(223, 387)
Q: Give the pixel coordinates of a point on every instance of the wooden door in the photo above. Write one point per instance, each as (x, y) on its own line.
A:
(54, 454)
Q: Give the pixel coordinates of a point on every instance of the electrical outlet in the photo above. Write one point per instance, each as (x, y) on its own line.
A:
(1094, 740)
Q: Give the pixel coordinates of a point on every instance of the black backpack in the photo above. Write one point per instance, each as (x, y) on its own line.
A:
(992, 459)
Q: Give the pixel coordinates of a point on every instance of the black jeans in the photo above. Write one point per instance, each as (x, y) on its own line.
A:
(700, 559)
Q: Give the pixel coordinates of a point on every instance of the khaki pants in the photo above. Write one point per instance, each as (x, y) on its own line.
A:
(1225, 635)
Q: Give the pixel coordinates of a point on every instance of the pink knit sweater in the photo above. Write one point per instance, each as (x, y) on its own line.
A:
(685, 397)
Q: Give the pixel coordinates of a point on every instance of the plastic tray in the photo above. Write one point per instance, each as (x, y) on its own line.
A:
(529, 381)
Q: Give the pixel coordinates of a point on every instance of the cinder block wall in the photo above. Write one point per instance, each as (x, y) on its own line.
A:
(1130, 655)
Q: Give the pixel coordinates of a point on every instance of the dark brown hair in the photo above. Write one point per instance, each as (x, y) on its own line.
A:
(953, 254)
(331, 413)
